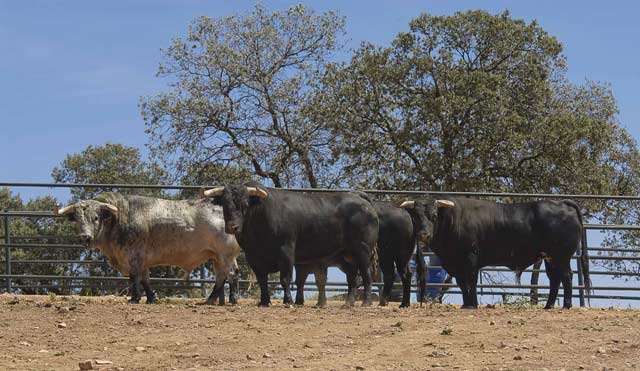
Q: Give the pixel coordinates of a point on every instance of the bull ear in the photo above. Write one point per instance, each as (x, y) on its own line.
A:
(445, 203)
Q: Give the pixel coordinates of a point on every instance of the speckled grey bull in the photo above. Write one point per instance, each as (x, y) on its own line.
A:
(136, 233)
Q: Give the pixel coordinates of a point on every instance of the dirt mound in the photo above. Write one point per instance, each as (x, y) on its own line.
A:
(39, 332)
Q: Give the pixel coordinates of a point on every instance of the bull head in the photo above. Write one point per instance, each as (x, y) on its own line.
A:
(253, 191)
(89, 217)
(72, 208)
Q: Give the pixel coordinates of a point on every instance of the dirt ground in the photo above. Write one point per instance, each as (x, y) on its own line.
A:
(57, 333)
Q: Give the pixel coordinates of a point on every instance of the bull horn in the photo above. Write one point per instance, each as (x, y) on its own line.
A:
(255, 191)
(65, 210)
(111, 208)
(213, 192)
(445, 203)
(408, 204)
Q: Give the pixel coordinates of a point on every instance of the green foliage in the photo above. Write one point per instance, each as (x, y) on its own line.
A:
(238, 88)
(110, 164)
(473, 102)
(211, 174)
(42, 231)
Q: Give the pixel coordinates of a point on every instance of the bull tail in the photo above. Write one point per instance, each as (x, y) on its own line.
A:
(373, 256)
(584, 249)
(420, 274)
(373, 261)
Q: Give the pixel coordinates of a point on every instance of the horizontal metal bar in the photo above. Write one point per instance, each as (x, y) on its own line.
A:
(609, 249)
(621, 227)
(41, 245)
(56, 262)
(38, 237)
(30, 214)
(108, 278)
(372, 191)
(602, 257)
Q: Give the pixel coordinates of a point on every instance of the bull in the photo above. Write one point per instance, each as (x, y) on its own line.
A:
(136, 233)
(470, 234)
(396, 243)
(278, 228)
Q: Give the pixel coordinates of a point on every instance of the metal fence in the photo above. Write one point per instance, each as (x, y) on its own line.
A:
(24, 282)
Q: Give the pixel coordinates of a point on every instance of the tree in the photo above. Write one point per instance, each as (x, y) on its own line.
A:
(24, 230)
(237, 95)
(473, 102)
(211, 174)
(108, 164)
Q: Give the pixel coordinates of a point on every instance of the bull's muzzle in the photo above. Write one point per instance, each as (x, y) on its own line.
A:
(424, 237)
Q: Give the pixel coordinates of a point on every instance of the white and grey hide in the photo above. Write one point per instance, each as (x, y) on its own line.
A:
(136, 233)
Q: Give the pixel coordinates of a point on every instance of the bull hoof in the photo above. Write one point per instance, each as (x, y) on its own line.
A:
(567, 306)
(347, 305)
(547, 307)
(405, 305)
(382, 303)
(134, 301)
(151, 300)
(468, 307)
(264, 305)
(299, 303)
(321, 305)
(367, 303)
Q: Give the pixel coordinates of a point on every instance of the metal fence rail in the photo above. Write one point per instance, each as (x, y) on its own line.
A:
(19, 282)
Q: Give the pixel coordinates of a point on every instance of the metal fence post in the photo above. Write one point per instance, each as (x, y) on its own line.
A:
(203, 289)
(583, 244)
(7, 253)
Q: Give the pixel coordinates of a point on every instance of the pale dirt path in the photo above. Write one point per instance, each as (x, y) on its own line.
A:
(182, 336)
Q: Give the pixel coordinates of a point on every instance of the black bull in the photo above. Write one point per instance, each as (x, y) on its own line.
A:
(396, 242)
(474, 234)
(277, 229)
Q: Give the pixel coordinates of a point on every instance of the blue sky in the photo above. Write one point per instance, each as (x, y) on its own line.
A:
(72, 72)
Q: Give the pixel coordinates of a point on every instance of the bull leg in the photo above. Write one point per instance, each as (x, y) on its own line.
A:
(567, 285)
(301, 277)
(386, 265)
(554, 284)
(468, 282)
(265, 300)
(218, 288)
(464, 289)
(321, 281)
(364, 266)
(474, 289)
(151, 296)
(468, 289)
(285, 281)
(443, 290)
(233, 284)
(134, 287)
(221, 298)
(405, 274)
(352, 284)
